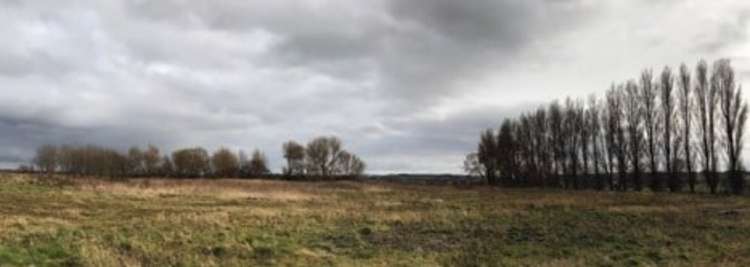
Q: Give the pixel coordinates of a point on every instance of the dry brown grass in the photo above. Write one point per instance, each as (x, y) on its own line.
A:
(223, 189)
(229, 222)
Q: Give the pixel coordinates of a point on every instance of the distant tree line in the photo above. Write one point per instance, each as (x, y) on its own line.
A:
(661, 133)
(321, 158)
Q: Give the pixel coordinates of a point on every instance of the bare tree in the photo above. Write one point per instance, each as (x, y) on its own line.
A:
(706, 100)
(258, 165)
(64, 159)
(487, 152)
(668, 117)
(584, 133)
(321, 153)
(525, 163)
(542, 146)
(294, 153)
(472, 166)
(557, 141)
(151, 158)
(733, 117)
(594, 123)
(572, 129)
(167, 167)
(649, 93)
(634, 118)
(191, 162)
(65, 162)
(46, 159)
(83, 160)
(520, 153)
(349, 165)
(135, 162)
(244, 161)
(607, 151)
(617, 145)
(325, 158)
(506, 158)
(686, 115)
(225, 163)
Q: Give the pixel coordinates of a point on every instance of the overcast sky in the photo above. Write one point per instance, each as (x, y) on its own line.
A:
(407, 85)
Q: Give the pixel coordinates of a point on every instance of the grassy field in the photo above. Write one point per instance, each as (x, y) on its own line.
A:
(246, 223)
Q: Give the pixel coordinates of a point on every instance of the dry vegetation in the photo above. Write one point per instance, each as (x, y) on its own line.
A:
(243, 223)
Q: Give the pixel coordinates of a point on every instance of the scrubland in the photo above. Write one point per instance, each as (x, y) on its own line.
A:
(161, 222)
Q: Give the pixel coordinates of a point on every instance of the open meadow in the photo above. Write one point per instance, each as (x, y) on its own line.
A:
(159, 222)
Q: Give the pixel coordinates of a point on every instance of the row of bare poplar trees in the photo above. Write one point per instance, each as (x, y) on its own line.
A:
(660, 132)
(322, 158)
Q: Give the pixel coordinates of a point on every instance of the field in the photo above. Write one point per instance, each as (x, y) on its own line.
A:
(62, 222)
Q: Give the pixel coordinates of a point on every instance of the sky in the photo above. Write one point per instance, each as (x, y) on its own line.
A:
(407, 85)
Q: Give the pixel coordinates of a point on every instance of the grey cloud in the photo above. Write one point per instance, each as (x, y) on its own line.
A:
(31, 62)
(732, 32)
(252, 74)
(413, 49)
(423, 49)
(478, 23)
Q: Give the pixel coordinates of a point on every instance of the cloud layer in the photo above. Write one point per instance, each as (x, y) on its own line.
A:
(406, 84)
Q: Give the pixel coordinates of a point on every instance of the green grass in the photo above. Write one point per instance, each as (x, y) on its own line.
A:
(251, 223)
